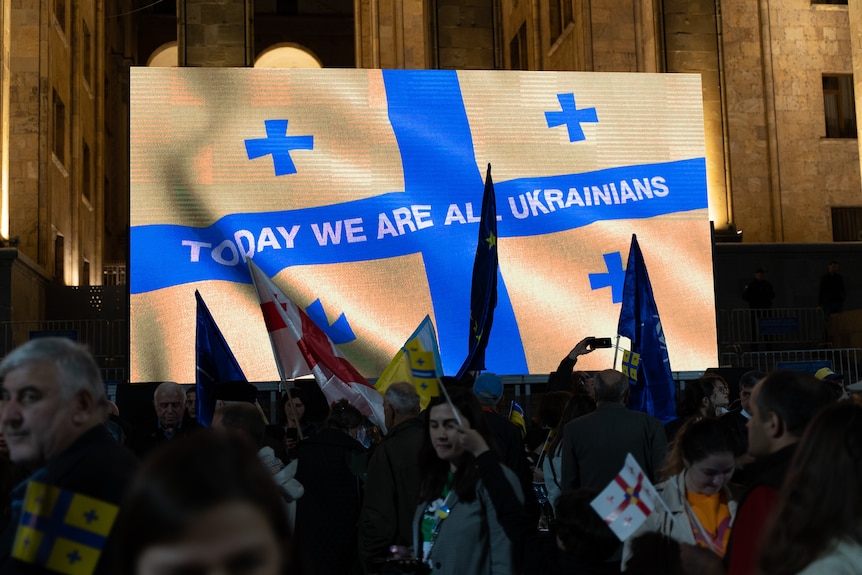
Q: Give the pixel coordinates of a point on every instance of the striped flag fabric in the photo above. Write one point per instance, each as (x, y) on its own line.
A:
(516, 416)
(300, 347)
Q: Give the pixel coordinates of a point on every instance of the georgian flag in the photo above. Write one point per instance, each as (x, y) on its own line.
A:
(627, 501)
(300, 348)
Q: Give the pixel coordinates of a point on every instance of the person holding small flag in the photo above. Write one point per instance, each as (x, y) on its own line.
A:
(698, 507)
(471, 511)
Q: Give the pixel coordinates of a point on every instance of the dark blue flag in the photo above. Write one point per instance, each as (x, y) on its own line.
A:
(215, 363)
(483, 292)
(652, 391)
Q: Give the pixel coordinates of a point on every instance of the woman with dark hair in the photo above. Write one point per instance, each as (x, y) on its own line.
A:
(331, 468)
(817, 524)
(292, 417)
(698, 507)
(471, 512)
(552, 462)
(203, 504)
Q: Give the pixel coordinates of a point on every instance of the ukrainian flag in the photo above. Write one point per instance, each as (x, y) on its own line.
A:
(516, 416)
(418, 362)
(62, 530)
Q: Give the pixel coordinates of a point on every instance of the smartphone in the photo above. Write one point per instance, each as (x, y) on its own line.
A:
(599, 342)
(291, 433)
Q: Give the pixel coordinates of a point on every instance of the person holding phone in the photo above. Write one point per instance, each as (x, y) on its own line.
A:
(296, 426)
(566, 378)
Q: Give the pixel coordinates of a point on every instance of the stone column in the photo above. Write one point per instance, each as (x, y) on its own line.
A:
(215, 33)
(393, 34)
(855, 10)
(5, 83)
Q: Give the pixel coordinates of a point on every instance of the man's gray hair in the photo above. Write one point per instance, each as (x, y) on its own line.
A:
(169, 388)
(75, 367)
(403, 398)
(611, 386)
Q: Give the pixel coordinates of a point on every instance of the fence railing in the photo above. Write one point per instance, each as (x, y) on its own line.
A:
(847, 361)
(771, 327)
(108, 340)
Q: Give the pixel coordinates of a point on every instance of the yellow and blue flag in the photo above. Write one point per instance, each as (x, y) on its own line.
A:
(417, 362)
(652, 388)
(516, 416)
(62, 530)
(630, 363)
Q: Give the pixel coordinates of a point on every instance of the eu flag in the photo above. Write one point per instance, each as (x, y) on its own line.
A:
(652, 390)
(215, 362)
(483, 293)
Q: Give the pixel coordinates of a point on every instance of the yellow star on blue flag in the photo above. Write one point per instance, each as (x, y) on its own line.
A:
(62, 530)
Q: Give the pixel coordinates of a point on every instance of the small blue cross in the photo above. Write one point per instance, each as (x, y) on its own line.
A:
(571, 117)
(339, 331)
(91, 516)
(74, 557)
(420, 361)
(614, 278)
(424, 386)
(279, 144)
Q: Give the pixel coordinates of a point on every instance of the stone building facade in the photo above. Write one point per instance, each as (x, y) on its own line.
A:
(774, 75)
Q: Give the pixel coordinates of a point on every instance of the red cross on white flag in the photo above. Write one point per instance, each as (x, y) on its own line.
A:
(627, 501)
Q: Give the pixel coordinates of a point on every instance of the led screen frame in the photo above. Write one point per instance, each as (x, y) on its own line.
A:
(359, 191)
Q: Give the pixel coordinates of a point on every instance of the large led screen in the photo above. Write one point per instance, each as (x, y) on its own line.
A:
(359, 192)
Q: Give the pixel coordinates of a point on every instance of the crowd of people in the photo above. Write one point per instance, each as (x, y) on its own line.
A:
(763, 483)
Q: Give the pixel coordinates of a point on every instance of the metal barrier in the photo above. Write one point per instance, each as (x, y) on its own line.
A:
(844, 361)
(772, 327)
(108, 340)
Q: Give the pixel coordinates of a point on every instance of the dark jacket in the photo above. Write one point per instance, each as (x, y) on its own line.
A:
(148, 440)
(95, 465)
(331, 469)
(392, 492)
(595, 445)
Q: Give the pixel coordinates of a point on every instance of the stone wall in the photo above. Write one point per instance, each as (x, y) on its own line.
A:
(786, 175)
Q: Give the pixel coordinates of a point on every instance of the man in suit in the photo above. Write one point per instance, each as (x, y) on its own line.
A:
(595, 445)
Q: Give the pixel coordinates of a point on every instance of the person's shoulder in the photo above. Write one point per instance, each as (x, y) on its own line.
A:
(844, 559)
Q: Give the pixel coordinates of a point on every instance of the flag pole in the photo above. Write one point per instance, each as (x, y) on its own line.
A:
(452, 405)
(616, 351)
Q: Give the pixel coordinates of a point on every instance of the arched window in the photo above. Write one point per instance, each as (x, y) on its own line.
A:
(165, 56)
(287, 55)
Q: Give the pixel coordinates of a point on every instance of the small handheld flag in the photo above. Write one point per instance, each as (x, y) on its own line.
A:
(516, 416)
(628, 500)
(62, 530)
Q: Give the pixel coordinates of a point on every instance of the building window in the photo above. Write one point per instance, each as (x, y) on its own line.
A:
(518, 49)
(85, 177)
(839, 106)
(59, 128)
(560, 13)
(847, 224)
(60, 259)
(88, 66)
(60, 13)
